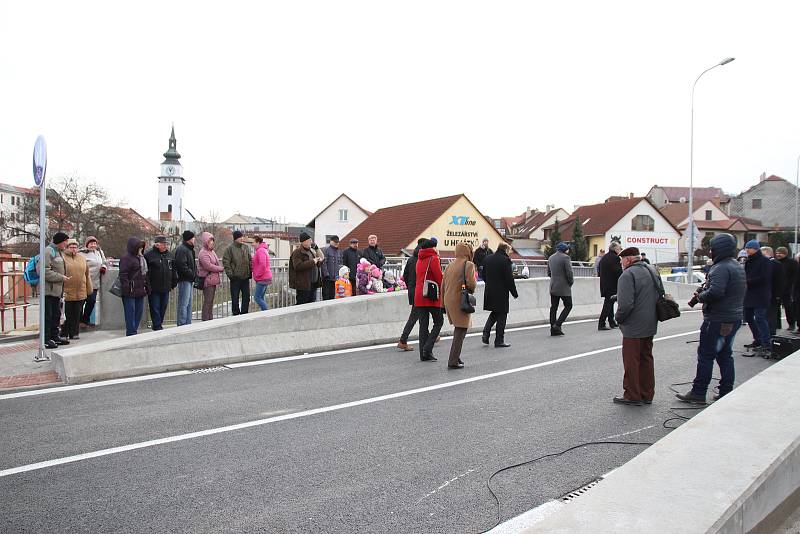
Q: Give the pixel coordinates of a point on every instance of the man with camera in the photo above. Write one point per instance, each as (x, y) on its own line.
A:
(722, 296)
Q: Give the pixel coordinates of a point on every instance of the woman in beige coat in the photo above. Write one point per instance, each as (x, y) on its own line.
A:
(77, 286)
(460, 273)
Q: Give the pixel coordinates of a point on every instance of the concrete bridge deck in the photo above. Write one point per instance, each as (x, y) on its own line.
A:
(365, 440)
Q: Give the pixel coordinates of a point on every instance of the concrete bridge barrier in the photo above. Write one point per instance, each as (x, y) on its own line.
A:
(321, 326)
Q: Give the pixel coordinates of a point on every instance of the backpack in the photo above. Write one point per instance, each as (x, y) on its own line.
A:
(31, 273)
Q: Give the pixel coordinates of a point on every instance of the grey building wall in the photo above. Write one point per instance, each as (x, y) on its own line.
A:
(777, 204)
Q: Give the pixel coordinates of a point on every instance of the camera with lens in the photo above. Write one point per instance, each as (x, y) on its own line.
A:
(693, 301)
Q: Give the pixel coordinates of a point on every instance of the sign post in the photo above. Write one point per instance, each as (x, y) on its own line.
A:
(39, 170)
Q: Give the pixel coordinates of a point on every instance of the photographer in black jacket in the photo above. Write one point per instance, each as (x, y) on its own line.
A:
(722, 296)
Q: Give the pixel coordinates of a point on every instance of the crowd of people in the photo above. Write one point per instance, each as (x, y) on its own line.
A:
(752, 286)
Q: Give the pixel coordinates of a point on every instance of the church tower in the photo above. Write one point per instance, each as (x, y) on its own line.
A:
(171, 184)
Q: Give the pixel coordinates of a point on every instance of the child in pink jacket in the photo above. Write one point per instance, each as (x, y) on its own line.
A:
(261, 272)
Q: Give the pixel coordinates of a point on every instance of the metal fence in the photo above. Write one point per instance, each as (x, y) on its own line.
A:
(279, 295)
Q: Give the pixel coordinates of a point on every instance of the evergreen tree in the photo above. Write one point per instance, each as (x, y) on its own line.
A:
(580, 248)
(555, 238)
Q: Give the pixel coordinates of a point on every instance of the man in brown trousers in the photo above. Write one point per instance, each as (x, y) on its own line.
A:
(637, 294)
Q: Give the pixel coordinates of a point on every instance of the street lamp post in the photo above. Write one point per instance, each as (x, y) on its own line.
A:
(796, 215)
(691, 172)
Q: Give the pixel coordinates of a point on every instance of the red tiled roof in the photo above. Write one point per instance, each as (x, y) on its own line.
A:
(676, 212)
(397, 226)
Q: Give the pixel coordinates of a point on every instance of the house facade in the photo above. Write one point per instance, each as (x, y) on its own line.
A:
(338, 218)
(771, 201)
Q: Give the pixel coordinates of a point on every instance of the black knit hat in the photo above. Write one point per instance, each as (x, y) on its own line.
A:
(60, 237)
(304, 237)
(187, 235)
(237, 234)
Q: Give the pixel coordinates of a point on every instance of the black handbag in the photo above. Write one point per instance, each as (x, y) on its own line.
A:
(116, 288)
(666, 307)
(467, 298)
(430, 289)
(200, 282)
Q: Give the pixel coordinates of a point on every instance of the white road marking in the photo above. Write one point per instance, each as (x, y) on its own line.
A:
(627, 433)
(45, 391)
(462, 475)
(307, 413)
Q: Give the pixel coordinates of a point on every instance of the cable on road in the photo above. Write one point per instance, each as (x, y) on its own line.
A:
(551, 455)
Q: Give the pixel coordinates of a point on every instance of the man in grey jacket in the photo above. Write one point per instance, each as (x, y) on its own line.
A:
(638, 291)
(330, 267)
(559, 269)
(55, 273)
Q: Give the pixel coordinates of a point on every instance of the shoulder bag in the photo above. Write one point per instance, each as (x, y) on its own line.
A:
(430, 289)
(116, 288)
(467, 298)
(666, 307)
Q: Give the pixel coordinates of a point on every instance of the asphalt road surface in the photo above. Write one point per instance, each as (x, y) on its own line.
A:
(356, 441)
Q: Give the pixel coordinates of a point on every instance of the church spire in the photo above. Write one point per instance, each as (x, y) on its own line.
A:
(171, 154)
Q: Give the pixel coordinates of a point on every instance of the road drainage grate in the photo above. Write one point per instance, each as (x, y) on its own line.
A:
(574, 494)
(214, 369)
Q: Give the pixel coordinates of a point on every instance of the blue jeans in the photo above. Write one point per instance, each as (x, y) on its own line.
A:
(258, 296)
(715, 347)
(185, 290)
(134, 307)
(158, 308)
(756, 319)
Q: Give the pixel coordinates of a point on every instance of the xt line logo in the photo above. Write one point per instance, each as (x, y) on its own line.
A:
(462, 220)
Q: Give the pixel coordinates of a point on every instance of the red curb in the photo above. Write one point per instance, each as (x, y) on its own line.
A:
(31, 379)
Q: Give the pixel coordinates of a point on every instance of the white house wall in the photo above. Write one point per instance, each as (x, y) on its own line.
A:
(328, 222)
(660, 245)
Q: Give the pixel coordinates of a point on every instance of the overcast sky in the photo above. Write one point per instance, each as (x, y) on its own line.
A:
(280, 106)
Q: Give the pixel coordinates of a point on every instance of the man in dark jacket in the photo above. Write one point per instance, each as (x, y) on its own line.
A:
(186, 267)
(238, 263)
(789, 277)
(410, 278)
(162, 277)
(776, 291)
(350, 258)
(610, 271)
(301, 263)
(638, 290)
(480, 255)
(499, 284)
(559, 269)
(373, 254)
(758, 272)
(330, 267)
(722, 296)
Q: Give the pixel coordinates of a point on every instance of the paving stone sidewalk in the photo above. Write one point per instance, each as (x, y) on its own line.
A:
(19, 370)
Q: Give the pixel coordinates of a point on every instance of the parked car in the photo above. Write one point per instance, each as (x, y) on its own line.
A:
(698, 277)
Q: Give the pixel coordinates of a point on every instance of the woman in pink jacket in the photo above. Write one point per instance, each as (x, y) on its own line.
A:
(261, 272)
(209, 269)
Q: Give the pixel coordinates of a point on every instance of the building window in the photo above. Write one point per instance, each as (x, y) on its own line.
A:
(342, 215)
(169, 208)
(169, 190)
(749, 236)
(708, 215)
(756, 203)
(643, 223)
(12, 201)
(595, 250)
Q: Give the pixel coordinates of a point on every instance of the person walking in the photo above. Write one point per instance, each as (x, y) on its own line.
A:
(262, 273)
(98, 265)
(559, 269)
(54, 278)
(350, 258)
(239, 267)
(776, 290)
(789, 266)
(133, 281)
(208, 269)
(428, 298)
(186, 266)
(162, 278)
(499, 278)
(332, 257)
(610, 270)
(374, 254)
(459, 275)
(638, 291)
(304, 270)
(722, 297)
(410, 278)
(77, 286)
(480, 254)
(758, 272)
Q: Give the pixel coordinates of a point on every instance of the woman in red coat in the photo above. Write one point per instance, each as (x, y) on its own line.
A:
(428, 268)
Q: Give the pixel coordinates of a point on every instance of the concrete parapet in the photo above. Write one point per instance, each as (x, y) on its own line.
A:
(319, 326)
(728, 469)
